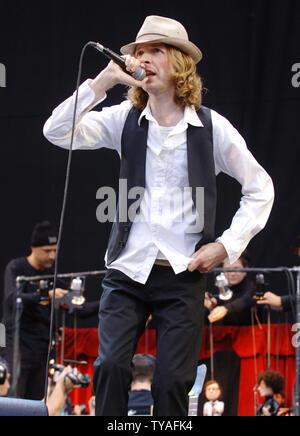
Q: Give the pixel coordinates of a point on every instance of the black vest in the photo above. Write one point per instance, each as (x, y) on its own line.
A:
(201, 169)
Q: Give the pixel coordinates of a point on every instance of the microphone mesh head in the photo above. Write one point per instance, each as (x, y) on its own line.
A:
(260, 279)
(139, 74)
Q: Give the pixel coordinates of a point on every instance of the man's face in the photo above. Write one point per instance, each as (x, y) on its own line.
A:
(45, 256)
(155, 59)
(234, 278)
(264, 390)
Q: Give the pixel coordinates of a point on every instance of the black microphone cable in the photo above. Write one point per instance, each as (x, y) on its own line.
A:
(66, 188)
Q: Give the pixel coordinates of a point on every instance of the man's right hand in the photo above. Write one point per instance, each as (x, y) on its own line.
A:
(113, 75)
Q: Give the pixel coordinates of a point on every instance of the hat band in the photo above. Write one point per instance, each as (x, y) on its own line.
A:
(157, 35)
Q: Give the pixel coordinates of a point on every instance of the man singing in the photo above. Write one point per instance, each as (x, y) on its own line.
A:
(157, 258)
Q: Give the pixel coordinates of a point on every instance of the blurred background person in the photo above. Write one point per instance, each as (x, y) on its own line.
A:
(270, 383)
(237, 309)
(34, 321)
(140, 400)
(60, 385)
(4, 378)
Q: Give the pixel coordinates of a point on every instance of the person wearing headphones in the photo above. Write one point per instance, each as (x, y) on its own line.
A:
(4, 378)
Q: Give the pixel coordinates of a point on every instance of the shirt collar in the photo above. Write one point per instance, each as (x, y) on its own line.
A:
(147, 114)
(190, 116)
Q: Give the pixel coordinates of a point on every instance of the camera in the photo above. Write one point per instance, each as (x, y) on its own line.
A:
(221, 283)
(75, 378)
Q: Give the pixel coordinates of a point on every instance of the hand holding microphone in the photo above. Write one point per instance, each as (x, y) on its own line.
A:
(137, 72)
(112, 75)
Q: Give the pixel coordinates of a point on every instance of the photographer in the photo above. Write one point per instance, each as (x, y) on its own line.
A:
(58, 396)
(34, 320)
(64, 380)
(4, 378)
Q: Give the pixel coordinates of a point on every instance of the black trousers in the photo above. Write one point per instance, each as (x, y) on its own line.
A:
(176, 303)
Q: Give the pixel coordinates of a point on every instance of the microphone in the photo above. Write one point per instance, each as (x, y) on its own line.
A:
(260, 287)
(139, 74)
(221, 283)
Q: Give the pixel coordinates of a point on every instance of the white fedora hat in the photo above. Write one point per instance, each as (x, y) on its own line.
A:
(164, 30)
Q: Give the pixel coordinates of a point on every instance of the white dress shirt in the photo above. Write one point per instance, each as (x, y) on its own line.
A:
(156, 234)
(213, 408)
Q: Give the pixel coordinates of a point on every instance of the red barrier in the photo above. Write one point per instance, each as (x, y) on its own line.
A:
(250, 344)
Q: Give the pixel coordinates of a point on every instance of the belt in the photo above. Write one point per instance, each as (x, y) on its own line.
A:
(162, 262)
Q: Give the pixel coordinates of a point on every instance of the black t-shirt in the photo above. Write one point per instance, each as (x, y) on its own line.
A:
(140, 402)
(34, 322)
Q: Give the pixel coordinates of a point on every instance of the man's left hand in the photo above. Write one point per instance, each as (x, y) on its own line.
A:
(208, 257)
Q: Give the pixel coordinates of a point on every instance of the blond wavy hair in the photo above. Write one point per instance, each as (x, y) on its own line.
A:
(188, 84)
